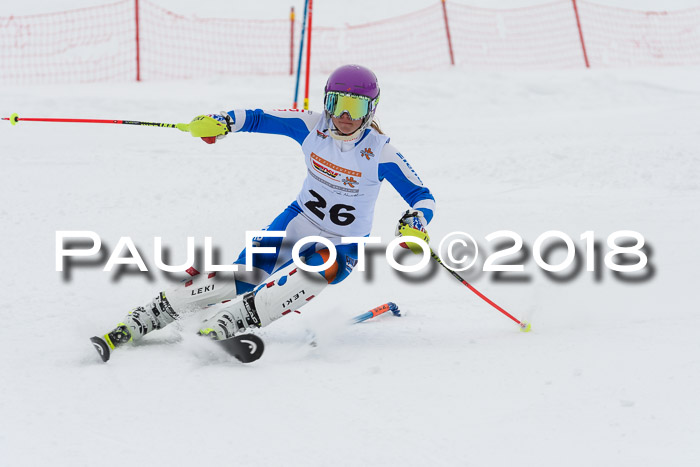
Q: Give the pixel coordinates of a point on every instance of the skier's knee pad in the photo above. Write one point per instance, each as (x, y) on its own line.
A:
(345, 261)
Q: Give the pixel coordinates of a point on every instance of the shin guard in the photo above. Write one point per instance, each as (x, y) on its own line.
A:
(284, 292)
(197, 293)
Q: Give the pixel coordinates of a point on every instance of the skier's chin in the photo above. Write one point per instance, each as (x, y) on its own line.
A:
(345, 132)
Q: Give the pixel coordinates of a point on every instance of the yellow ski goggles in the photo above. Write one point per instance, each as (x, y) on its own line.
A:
(337, 103)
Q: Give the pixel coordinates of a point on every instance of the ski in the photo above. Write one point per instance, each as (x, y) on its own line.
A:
(101, 346)
(246, 348)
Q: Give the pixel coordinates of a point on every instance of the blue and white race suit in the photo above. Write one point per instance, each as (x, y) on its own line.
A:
(338, 195)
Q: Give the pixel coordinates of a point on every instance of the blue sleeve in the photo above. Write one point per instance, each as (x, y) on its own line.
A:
(412, 191)
(427, 213)
(287, 124)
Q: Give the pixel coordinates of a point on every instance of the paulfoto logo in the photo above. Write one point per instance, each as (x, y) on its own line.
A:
(626, 252)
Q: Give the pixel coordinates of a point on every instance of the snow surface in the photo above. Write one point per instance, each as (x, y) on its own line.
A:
(609, 375)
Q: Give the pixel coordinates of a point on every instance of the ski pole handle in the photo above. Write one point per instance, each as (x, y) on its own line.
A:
(14, 118)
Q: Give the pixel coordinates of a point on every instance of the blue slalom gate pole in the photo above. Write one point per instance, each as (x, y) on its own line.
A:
(301, 49)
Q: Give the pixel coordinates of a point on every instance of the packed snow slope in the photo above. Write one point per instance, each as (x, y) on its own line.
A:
(608, 376)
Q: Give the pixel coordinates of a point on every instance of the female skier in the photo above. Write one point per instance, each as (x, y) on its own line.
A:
(347, 157)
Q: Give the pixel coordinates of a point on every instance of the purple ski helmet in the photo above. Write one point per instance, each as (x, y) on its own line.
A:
(353, 79)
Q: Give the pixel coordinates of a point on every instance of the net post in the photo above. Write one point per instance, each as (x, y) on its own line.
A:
(580, 34)
(447, 30)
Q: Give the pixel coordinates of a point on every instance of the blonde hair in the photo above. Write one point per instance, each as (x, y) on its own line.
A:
(375, 125)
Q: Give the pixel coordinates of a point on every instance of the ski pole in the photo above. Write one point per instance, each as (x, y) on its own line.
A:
(14, 118)
(389, 306)
(524, 326)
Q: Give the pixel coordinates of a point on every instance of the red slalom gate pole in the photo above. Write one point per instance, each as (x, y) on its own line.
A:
(138, 42)
(580, 34)
(447, 29)
(301, 54)
(524, 326)
(308, 57)
(291, 44)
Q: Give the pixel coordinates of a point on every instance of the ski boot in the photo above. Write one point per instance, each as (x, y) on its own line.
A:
(110, 341)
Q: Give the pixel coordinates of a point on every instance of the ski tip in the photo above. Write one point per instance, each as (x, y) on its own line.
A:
(246, 348)
(525, 327)
(101, 347)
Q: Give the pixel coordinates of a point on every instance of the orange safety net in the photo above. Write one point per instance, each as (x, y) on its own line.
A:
(99, 43)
